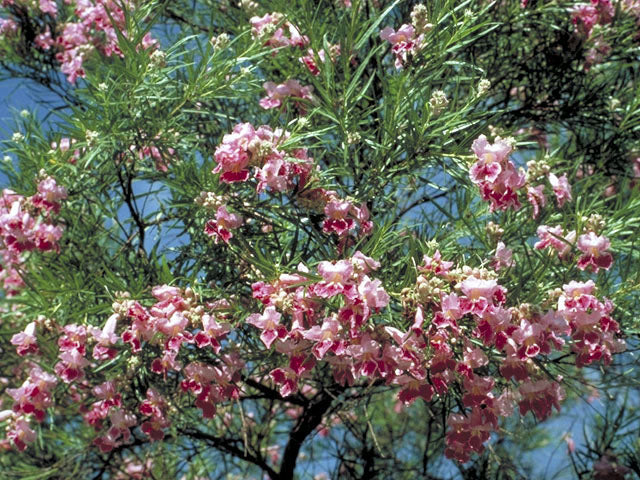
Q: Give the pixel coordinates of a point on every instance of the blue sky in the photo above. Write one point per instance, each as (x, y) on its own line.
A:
(17, 95)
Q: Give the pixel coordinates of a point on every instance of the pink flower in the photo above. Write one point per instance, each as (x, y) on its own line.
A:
(337, 220)
(495, 174)
(571, 444)
(467, 434)
(20, 433)
(404, 42)
(364, 264)
(105, 338)
(44, 40)
(26, 341)
(503, 193)
(232, 156)
(372, 292)
(197, 376)
(555, 238)
(593, 330)
(366, 356)
(474, 357)
(172, 325)
(168, 361)
(277, 93)
(279, 39)
(325, 336)
(17, 228)
(165, 292)
(33, 397)
(412, 389)
(595, 255)
(49, 6)
(71, 366)
(404, 34)
(8, 27)
(529, 336)
(275, 174)
(436, 264)
(154, 406)
(503, 257)
(561, 188)
(107, 390)
(46, 237)
(287, 379)
(336, 278)
(269, 323)
(478, 391)
(361, 214)
(481, 294)
(585, 17)
(450, 305)
(223, 224)
(211, 332)
(309, 60)
(536, 197)
(539, 396)
(490, 159)
(73, 338)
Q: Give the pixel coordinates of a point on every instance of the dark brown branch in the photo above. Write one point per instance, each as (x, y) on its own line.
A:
(129, 198)
(311, 417)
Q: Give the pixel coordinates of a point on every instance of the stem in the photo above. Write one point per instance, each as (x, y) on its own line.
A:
(311, 417)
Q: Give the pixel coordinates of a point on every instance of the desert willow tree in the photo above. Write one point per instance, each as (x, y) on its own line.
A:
(353, 239)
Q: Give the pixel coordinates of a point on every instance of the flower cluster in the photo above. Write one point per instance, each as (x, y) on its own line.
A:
(555, 238)
(585, 17)
(277, 32)
(176, 320)
(65, 146)
(277, 169)
(72, 345)
(341, 216)
(408, 40)
(155, 407)
(495, 174)
(592, 328)
(221, 226)
(291, 88)
(459, 314)
(468, 306)
(468, 315)
(274, 167)
(499, 181)
(404, 42)
(167, 325)
(108, 404)
(36, 393)
(594, 247)
(8, 27)
(297, 323)
(26, 224)
(30, 400)
(95, 27)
